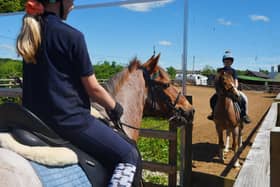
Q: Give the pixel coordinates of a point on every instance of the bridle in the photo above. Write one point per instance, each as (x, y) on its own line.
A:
(156, 93)
(226, 91)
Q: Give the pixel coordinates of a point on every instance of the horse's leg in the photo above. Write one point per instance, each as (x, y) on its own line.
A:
(227, 141)
(236, 145)
(240, 134)
(221, 143)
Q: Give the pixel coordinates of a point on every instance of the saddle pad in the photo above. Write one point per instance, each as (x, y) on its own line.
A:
(69, 176)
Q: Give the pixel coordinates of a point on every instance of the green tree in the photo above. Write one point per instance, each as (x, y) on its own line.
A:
(106, 69)
(11, 5)
(208, 70)
(171, 71)
(10, 68)
(264, 71)
(241, 72)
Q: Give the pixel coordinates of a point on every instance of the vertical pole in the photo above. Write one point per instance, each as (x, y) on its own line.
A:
(185, 48)
(186, 153)
(172, 177)
(193, 64)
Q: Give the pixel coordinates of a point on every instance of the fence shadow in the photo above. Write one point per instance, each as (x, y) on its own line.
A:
(205, 152)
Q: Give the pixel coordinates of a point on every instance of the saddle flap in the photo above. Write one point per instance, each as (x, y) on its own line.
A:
(15, 116)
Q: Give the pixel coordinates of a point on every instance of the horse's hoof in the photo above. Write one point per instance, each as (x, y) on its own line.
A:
(226, 150)
(237, 165)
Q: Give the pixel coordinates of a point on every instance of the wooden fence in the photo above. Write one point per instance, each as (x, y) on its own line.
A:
(267, 88)
(185, 153)
(8, 83)
(262, 165)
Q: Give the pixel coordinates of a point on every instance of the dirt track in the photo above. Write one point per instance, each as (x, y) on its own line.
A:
(205, 137)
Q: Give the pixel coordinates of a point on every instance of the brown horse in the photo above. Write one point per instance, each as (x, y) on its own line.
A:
(226, 114)
(153, 83)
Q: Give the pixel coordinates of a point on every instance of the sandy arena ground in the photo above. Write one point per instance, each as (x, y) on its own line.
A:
(205, 146)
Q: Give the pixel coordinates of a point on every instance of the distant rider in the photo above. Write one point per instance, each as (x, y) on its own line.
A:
(228, 61)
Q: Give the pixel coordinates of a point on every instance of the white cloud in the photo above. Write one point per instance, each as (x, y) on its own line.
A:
(8, 51)
(144, 7)
(165, 43)
(7, 47)
(259, 18)
(222, 21)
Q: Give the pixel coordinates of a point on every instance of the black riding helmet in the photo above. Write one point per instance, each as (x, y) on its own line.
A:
(61, 12)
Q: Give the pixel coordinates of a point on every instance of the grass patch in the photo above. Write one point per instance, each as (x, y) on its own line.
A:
(155, 150)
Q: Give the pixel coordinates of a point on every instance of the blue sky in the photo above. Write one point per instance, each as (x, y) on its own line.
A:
(249, 28)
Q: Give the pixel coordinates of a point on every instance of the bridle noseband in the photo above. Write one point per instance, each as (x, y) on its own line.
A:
(156, 91)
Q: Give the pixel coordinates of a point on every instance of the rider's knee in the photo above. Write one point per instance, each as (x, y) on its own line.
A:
(133, 157)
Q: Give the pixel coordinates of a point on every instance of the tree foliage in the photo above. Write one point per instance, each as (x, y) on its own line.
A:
(208, 70)
(11, 5)
(264, 71)
(106, 69)
(171, 71)
(10, 68)
(241, 72)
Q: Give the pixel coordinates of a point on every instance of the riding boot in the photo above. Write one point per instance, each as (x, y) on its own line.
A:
(123, 175)
(213, 101)
(246, 119)
(244, 114)
(211, 116)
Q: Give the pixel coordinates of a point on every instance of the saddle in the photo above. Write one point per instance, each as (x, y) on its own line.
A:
(29, 130)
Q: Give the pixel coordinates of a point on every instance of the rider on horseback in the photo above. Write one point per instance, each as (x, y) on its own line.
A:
(228, 61)
(58, 83)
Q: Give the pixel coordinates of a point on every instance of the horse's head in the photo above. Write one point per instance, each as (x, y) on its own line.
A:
(164, 99)
(225, 84)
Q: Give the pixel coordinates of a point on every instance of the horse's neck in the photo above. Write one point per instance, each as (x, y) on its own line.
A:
(225, 110)
(132, 97)
(224, 101)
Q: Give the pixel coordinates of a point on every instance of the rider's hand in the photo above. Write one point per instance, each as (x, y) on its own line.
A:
(116, 113)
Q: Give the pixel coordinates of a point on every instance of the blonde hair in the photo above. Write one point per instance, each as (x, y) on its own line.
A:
(29, 39)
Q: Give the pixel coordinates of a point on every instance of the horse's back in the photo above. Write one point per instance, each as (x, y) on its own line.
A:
(15, 171)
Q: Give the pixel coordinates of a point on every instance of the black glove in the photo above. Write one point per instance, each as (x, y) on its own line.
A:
(116, 113)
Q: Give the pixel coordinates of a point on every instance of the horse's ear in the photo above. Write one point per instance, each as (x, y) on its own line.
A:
(146, 64)
(151, 64)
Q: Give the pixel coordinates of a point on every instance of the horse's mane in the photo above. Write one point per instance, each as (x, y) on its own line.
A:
(115, 83)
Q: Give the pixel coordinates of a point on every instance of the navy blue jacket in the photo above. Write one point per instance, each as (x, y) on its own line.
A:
(229, 70)
(52, 88)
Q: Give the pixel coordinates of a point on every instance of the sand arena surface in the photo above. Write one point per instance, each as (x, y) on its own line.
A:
(205, 139)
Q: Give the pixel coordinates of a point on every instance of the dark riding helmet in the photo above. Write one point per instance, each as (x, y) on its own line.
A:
(54, 1)
(228, 55)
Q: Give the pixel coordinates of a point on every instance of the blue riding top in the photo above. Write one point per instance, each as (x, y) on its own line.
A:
(52, 88)
(229, 70)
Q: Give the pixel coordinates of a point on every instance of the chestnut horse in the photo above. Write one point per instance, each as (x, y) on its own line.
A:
(227, 115)
(131, 87)
(153, 85)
